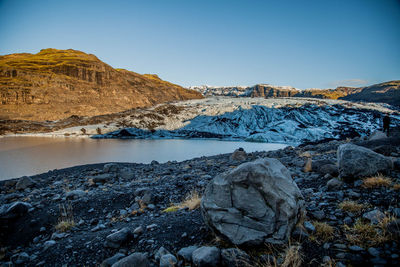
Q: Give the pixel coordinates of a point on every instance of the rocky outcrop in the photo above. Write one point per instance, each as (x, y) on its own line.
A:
(256, 202)
(387, 92)
(55, 84)
(356, 162)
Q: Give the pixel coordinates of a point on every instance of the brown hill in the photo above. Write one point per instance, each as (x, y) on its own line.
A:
(55, 84)
(387, 92)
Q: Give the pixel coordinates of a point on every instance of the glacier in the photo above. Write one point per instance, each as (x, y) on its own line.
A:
(287, 121)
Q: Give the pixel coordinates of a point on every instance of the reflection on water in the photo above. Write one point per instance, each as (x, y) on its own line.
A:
(21, 156)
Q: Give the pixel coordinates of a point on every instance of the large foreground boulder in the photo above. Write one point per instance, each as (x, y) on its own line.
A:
(254, 203)
(356, 161)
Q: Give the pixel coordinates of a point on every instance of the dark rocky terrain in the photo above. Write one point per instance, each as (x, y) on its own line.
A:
(84, 215)
(56, 84)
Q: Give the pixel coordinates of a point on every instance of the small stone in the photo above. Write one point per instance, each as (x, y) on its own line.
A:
(160, 252)
(334, 184)
(373, 252)
(151, 227)
(75, 194)
(356, 248)
(110, 167)
(186, 253)
(374, 216)
(206, 257)
(168, 260)
(110, 261)
(309, 226)
(49, 244)
(138, 230)
(136, 259)
(115, 240)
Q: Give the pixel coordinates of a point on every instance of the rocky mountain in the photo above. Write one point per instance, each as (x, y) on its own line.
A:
(388, 92)
(55, 84)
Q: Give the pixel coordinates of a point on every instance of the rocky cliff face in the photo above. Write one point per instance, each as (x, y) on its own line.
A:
(388, 92)
(55, 84)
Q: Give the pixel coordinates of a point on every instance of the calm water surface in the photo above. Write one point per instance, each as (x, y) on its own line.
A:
(21, 156)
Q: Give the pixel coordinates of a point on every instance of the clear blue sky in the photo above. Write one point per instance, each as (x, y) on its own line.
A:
(300, 43)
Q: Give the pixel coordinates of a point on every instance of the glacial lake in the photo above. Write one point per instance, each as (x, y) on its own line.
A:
(20, 156)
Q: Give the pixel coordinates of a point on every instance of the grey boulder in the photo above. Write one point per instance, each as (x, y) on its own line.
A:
(115, 240)
(254, 203)
(24, 182)
(14, 210)
(357, 161)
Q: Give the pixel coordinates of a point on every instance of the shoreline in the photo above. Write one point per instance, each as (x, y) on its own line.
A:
(107, 197)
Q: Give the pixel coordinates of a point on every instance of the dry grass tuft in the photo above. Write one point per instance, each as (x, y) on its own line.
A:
(66, 220)
(323, 231)
(351, 206)
(396, 187)
(292, 257)
(365, 234)
(376, 181)
(191, 201)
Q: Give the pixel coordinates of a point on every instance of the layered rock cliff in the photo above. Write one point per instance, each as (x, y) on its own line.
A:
(387, 92)
(55, 84)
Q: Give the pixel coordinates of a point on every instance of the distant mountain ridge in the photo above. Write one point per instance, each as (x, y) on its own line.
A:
(55, 84)
(387, 92)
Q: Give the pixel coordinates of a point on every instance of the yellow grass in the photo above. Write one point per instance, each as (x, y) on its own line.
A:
(396, 187)
(191, 201)
(292, 257)
(323, 231)
(366, 235)
(66, 220)
(351, 206)
(376, 181)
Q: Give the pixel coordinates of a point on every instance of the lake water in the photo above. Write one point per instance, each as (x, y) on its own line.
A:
(21, 156)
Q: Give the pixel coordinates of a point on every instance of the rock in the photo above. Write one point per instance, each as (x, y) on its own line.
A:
(377, 135)
(126, 173)
(14, 210)
(318, 214)
(49, 244)
(206, 257)
(334, 184)
(24, 182)
(239, 155)
(134, 260)
(110, 261)
(115, 240)
(75, 194)
(299, 234)
(101, 178)
(309, 226)
(168, 260)
(160, 252)
(110, 167)
(138, 230)
(356, 162)
(20, 258)
(373, 252)
(234, 257)
(255, 202)
(186, 253)
(331, 169)
(374, 216)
